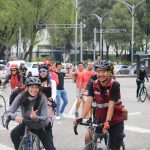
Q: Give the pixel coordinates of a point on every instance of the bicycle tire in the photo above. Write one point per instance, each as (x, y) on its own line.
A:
(91, 145)
(23, 144)
(37, 145)
(2, 106)
(143, 94)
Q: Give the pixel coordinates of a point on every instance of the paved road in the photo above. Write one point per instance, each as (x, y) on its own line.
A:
(137, 128)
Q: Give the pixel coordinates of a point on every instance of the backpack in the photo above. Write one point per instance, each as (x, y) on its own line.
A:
(125, 113)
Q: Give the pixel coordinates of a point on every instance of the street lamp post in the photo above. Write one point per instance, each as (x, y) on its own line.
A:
(100, 19)
(94, 44)
(76, 31)
(132, 11)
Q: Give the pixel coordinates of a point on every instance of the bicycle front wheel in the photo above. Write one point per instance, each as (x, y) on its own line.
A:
(23, 144)
(143, 94)
(2, 106)
(90, 146)
(30, 144)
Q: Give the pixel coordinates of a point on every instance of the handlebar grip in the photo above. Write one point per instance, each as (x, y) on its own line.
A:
(75, 129)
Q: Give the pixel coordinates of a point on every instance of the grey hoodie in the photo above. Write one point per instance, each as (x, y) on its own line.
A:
(42, 118)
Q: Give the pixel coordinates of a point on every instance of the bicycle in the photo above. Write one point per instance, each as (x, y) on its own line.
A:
(29, 141)
(95, 142)
(142, 92)
(2, 106)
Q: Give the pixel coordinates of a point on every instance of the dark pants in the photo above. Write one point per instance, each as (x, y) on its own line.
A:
(45, 136)
(138, 87)
(116, 133)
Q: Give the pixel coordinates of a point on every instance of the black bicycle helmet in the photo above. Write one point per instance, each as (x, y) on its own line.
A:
(32, 81)
(104, 64)
(44, 66)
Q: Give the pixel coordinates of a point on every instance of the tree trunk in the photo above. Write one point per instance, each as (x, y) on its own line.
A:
(29, 52)
(107, 50)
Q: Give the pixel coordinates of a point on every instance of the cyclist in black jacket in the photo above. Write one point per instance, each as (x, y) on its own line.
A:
(141, 78)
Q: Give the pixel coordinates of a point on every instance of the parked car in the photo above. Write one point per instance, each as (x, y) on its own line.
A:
(122, 69)
(17, 62)
(3, 71)
(32, 68)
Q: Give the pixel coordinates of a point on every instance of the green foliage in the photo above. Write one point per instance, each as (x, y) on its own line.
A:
(27, 13)
(41, 59)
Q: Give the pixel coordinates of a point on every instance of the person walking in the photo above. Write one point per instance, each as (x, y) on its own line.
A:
(77, 76)
(61, 93)
(88, 73)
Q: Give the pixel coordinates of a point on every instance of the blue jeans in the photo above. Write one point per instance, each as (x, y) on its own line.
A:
(61, 94)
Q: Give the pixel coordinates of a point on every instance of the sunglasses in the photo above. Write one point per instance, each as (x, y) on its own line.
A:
(13, 70)
(42, 71)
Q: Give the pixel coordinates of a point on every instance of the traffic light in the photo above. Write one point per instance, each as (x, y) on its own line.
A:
(41, 26)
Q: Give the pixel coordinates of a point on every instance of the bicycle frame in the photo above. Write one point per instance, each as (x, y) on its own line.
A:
(95, 136)
(99, 136)
(28, 138)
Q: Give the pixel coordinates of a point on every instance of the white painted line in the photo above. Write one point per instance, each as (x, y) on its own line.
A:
(136, 129)
(73, 107)
(135, 113)
(4, 147)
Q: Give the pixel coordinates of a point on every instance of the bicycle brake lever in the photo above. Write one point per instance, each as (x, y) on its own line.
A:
(75, 130)
(7, 123)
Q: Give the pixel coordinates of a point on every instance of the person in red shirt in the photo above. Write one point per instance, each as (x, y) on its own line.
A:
(53, 75)
(88, 73)
(16, 82)
(78, 75)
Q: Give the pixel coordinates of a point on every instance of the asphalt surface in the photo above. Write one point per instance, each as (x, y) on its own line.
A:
(137, 127)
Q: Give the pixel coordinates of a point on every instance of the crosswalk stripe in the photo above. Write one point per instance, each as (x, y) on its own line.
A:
(136, 129)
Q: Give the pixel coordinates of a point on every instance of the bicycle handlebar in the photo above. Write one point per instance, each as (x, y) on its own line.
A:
(23, 121)
(87, 124)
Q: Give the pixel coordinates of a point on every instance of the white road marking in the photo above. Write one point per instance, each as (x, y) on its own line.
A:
(4, 147)
(135, 113)
(136, 129)
(73, 107)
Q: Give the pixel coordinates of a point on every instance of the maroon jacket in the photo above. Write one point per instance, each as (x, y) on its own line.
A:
(102, 102)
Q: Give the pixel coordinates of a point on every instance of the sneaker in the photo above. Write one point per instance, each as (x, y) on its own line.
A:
(58, 117)
(62, 115)
(76, 114)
